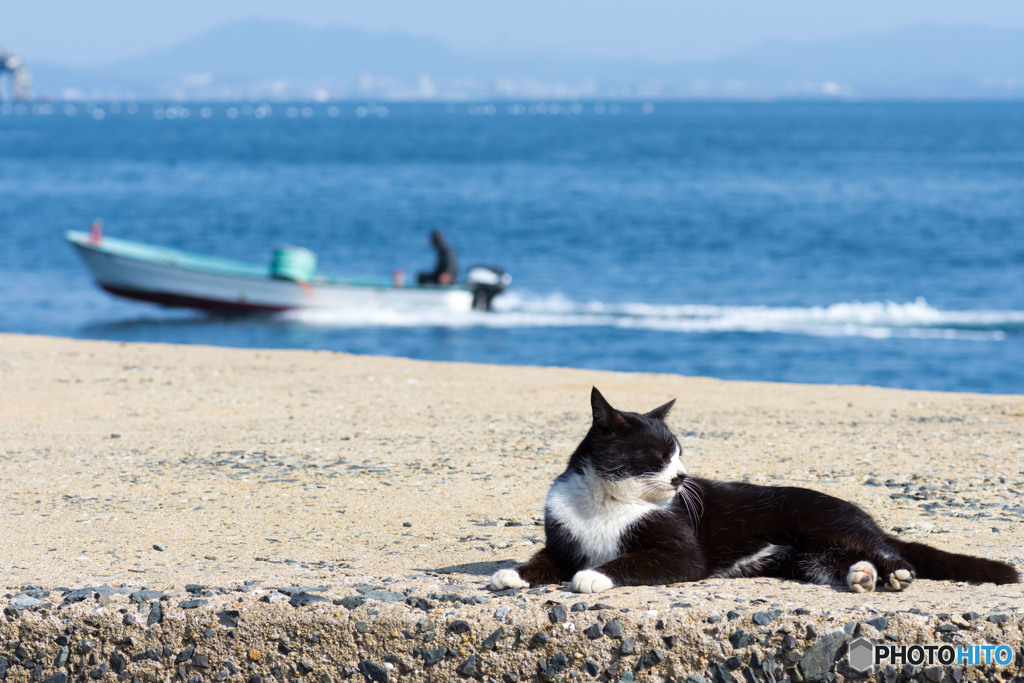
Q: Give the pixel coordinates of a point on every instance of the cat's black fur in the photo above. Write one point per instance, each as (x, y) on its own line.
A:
(704, 528)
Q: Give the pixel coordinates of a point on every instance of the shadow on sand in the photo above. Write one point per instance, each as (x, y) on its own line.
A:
(476, 568)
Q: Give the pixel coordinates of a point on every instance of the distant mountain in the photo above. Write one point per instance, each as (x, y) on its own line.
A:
(277, 60)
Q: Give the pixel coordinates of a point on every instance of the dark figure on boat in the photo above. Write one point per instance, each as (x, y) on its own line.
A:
(447, 269)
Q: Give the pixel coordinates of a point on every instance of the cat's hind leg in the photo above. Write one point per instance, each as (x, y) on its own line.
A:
(895, 573)
(862, 577)
(860, 571)
(892, 574)
(539, 569)
(899, 579)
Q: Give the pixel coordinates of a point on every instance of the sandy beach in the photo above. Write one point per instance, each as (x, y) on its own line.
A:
(220, 475)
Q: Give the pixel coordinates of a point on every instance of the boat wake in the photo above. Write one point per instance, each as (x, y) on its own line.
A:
(875, 320)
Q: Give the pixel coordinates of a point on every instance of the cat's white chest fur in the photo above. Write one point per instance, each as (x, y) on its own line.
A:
(597, 512)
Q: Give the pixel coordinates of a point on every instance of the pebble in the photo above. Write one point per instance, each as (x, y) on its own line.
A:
(998, 618)
(557, 614)
(818, 659)
(420, 603)
(959, 620)
(460, 626)
(594, 631)
(739, 639)
(878, 623)
(118, 662)
(468, 667)
(305, 599)
(141, 596)
(351, 601)
(192, 604)
(557, 664)
(720, 674)
(24, 601)
(156, 614)
(383, 596)
(228, 618)
(502, 612)
(158, 547)
(78, 595)
(373, 672)
(493, 639)
(613, 629)
(432, 657)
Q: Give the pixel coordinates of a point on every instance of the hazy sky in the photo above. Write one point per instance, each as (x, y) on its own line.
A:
(94, 31)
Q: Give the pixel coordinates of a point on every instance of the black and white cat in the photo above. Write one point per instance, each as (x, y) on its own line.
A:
(624, 513)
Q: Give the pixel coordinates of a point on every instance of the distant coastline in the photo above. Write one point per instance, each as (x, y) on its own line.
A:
(280, 61)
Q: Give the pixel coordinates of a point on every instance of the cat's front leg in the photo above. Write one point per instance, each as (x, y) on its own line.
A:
(507, 578)
(539, 569)
(649, 567)
(591, 581)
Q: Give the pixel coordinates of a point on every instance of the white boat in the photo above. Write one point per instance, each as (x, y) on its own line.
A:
(177, 278)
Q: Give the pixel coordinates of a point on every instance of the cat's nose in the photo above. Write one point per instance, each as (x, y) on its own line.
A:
(678, 480)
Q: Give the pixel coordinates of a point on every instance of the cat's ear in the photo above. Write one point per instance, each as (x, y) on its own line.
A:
(660, 412)
(604, 415)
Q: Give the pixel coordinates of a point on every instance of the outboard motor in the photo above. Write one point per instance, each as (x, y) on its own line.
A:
(486, 282)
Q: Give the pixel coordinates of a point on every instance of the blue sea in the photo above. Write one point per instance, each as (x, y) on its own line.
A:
(851, 243)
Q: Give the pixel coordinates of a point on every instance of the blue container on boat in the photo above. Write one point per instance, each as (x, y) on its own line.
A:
(293, 263)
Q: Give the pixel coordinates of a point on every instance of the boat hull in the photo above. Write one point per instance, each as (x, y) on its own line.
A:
(164, 277)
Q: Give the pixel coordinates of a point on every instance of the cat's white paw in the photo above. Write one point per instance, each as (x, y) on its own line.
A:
(589, 581)
(862, 577)
(507, 578)
(899, 580)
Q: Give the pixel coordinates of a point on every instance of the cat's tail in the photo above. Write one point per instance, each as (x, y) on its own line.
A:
(932, 563)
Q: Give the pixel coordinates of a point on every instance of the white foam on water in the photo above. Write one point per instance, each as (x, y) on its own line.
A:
(875, 320)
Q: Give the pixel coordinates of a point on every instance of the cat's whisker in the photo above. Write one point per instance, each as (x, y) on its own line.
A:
(694, 489)
(691, 494)
(685, 495)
